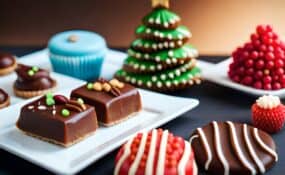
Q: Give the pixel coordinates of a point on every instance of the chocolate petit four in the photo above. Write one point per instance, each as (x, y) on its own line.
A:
(7, 63)
(32, 81)
(233, 149)
(113, 100)
(156, 152)
(58, 120)
(4, 99)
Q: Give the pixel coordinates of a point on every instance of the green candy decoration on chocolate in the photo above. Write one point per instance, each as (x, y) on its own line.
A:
(89, 86)
(33, 71)
(160, 58)
(65, 112)
(49, 99)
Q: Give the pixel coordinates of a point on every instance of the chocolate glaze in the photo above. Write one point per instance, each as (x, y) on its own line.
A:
(53, 126)
(229, 149)
(110, 108)
(6, 60)
(39, 81)
(3, 96)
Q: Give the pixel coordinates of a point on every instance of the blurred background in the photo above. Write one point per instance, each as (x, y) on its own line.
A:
(218, 26)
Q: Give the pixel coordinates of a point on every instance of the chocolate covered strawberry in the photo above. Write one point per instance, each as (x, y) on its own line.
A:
(260, 63)
(268, 113)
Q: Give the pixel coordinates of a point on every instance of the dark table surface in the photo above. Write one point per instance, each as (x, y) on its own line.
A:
(216, 103)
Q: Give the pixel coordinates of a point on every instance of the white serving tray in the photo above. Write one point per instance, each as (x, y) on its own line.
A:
(217, 73)
(157, 110)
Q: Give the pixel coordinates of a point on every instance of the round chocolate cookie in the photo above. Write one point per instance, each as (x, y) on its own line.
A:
(7, 63)
(4, 99)
(233, 149)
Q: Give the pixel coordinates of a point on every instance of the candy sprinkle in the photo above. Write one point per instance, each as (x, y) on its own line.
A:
(50, 101)
(35, 68)
(31, 73)
(89, 86)
(49, 95)
(65, 112)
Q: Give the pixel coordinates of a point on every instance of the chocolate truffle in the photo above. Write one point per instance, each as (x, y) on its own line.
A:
(4, 99)
(7, 63)
(113, 100)
(232, 149)
(58, 120)
(32, 81)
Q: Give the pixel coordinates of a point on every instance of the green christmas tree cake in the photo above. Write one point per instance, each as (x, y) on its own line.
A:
(160, 58)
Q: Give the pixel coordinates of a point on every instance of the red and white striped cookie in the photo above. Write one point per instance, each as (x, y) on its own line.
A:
(156, 152)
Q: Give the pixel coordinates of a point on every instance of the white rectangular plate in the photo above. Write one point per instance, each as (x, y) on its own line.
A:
(157, 110)
(218, 74)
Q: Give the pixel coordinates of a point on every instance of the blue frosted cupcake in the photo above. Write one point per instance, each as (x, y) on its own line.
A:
(77, 53)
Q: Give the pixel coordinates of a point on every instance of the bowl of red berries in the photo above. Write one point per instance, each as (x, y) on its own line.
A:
(257, 67)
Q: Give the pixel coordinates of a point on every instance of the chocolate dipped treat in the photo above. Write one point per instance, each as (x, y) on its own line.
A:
(32, 81)
(4, 99)
(160, 58)
(233, 149)
(113, 100)
(58, 120)
(7, 63)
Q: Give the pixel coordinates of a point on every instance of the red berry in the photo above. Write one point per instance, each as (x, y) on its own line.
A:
(263, 48)
(260, 29)
(276, 86)
(279, 71)
(259, 64)
(256, 43)
(241, 71)
(269, 28)
(267, 86)
(250, 71)
(254, 55)
(270, 48)
(254, 37)
(269, 65)
(257, 85)
(236, 78)
(269, 56)
(249, 63)
(279, 63)
(258, 74)
(267, 79)
(247, 80)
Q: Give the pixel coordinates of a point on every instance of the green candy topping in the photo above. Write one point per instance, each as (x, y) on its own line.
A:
(31, 73)
(80, 101)
(162, 56)
(65, 112)
(50, 101)
(179, 33)
(49, 95)
(35, 68)
(89, 86)
(162, 17)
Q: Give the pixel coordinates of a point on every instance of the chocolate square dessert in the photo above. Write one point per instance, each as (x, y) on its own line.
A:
(58, 120)
(113, 100)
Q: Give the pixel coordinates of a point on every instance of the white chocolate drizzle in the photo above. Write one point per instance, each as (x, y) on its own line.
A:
(219, 149)
(263, 145)
(206, 147)
(162, 153)
(252, 151)
(184, 159)
(237, 148)
(150, 159)
(127, 151)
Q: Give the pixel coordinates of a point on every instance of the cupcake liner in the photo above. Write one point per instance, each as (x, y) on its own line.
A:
(82, 67)
(33, 93)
